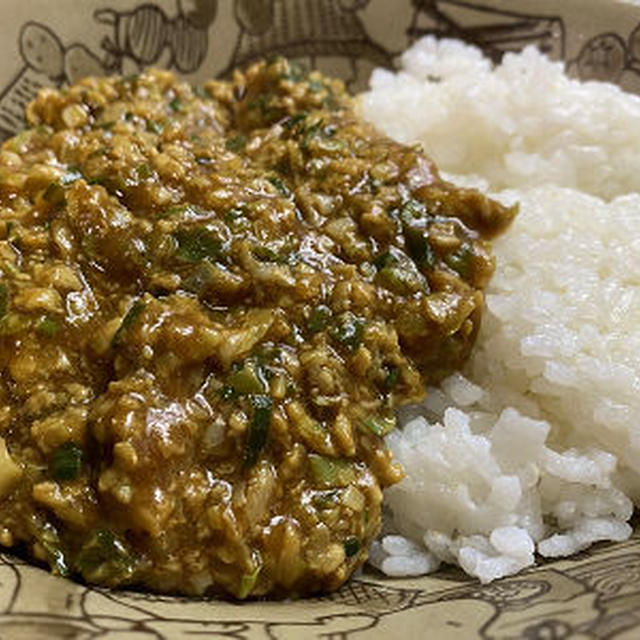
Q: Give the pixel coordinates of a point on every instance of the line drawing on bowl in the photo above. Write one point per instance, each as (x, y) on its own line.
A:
(323, 33)
(607, 56)
(494, 31)
(591, 596)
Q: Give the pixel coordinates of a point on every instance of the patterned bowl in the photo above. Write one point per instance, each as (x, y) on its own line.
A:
(47, 43)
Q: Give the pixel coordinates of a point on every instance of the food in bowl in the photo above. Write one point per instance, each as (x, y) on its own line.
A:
(212, 303)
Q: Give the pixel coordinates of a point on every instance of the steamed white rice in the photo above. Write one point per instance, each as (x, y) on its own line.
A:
(536, 448)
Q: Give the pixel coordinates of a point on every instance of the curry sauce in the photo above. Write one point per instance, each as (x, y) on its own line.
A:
(212, 300)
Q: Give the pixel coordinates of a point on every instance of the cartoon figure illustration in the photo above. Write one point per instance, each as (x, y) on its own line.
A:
(146, 34)
(47, 63)
(608, 58)
(142, 37)
(495, 31)
(328, 35)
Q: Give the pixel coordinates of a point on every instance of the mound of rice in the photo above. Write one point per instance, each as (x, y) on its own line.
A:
(523, 124)
(535, 448)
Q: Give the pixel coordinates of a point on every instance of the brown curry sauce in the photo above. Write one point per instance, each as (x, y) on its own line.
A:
(211, 302)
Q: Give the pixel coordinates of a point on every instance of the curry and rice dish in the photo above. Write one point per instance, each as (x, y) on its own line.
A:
(212, 301)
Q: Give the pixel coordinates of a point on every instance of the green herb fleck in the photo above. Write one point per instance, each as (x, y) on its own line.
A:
(175, 104)
(384, 260)
(228, 392)
(200, 92)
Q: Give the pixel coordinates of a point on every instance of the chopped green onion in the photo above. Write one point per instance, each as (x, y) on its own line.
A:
(197, 244)
(66, 462)
(260, 103)
(295, 119)
(48, 326)
(295, 72)
(418, 247)
(5, 299)
(175, 104)
(392, 377)
(104, 559)
(258, 429)
(248, 582)
(331, 472)
(188, 210)
(55, 196)
(412, 210)
(384, 260)
(380, 425)
(351, 546)
(348, 331)
(154, 127)
(461, 260)
(144, 171)
(280, 186)
(48, 537)
(236, 143)
(130, 317)
(201, 278)
(325, 499)
(319, 318)
(399, 280)
(248, 379)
